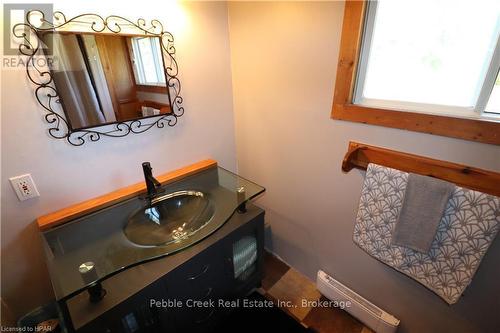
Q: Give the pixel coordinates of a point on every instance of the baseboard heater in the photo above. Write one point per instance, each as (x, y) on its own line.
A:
(368, 313)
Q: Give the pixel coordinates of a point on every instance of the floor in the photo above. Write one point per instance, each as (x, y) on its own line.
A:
(296, 295)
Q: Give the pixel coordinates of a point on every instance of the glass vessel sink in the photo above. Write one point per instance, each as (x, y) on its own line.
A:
(137, 230)
(170, 218)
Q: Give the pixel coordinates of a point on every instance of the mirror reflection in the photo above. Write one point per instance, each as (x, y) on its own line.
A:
(103, 78)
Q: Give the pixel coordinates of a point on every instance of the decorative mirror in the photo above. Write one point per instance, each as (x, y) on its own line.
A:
(102, 76)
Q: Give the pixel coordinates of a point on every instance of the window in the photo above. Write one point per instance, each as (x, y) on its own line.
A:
(493, 105)
(422, 65)
(148, 61)
(438, 56)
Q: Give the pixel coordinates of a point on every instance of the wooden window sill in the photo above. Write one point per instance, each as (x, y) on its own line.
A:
(152, 89)
(483, 131)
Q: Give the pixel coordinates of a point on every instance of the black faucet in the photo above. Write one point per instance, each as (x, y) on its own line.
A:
(151, 183)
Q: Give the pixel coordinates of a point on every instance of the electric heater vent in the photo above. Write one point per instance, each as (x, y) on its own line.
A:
(370, 314)
(353, 296)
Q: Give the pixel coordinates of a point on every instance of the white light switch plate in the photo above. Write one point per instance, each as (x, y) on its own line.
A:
(24, 186)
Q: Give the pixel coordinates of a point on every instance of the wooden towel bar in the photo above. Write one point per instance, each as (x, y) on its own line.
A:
(359, 155)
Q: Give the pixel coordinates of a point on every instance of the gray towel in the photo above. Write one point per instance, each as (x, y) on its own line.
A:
(423, 206)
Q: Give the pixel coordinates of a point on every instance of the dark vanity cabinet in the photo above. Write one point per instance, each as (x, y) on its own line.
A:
(132, 315)
(195, 294)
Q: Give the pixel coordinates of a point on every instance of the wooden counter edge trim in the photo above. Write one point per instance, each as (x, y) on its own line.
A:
(64, 215)
(360, 154)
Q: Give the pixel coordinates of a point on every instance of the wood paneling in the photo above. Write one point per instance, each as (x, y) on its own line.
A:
(343, 109)
(77, 210)
(117, 66)
(359, 155)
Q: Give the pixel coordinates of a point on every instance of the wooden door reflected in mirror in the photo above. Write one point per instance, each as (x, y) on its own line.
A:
(107, 78)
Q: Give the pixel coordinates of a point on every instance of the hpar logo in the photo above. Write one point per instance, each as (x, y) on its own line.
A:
(13, 15)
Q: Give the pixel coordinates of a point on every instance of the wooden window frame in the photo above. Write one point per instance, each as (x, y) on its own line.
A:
(343, 108)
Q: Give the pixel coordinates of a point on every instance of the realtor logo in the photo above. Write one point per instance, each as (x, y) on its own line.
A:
(14, 13)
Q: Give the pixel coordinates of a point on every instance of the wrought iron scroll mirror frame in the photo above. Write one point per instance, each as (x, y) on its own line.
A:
(46, 92)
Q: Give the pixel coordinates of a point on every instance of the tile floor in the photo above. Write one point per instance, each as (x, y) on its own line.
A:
(289, 287)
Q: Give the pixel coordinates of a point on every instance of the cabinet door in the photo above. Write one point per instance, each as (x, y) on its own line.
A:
(196, 288)
(244, 253)
(137, 314)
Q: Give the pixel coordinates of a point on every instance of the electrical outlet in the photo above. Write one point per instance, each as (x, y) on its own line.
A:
(24, 186)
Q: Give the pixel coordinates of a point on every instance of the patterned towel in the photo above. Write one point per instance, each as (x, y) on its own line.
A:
(470, 223)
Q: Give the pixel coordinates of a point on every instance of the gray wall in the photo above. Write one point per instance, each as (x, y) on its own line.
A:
(282, 63)
(284, 58)
(66, 174)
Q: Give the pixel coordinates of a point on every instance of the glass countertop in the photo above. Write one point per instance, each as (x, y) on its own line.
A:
(99, 237)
